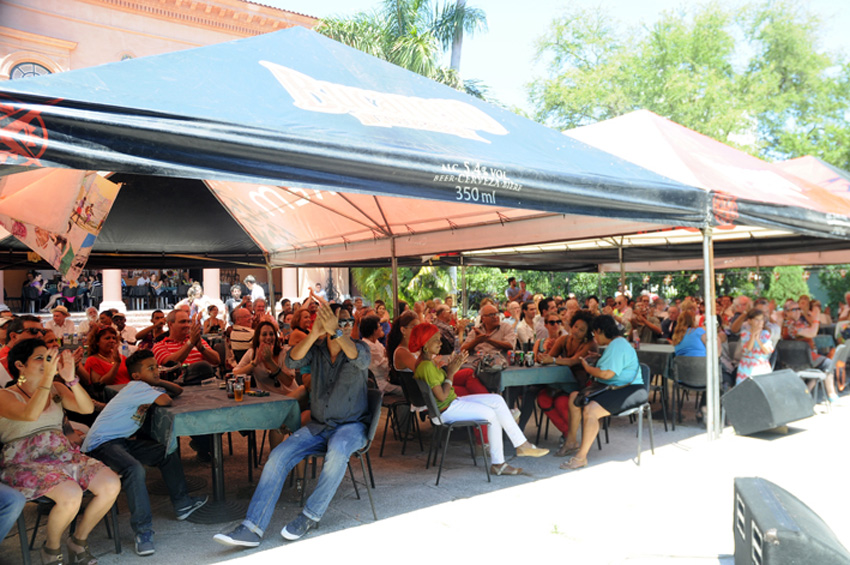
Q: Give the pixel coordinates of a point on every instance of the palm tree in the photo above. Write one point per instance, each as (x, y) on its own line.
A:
(414, 35)
(454, 22)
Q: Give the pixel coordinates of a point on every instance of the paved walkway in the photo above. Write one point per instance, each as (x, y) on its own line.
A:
(676, 507)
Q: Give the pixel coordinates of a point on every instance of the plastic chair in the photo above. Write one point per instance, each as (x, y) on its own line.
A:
(687, 373)
(639, 411)
(375, 398)
(797, 356)
(439, 438)
(45, 505)
(69, 297)
(413, 399)
(96, 296)
(139, 297)
(29, 299)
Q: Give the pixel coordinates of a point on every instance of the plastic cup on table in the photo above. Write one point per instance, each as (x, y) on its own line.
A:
(238, 388)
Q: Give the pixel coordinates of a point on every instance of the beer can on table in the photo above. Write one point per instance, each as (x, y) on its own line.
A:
(510, 357)
(519, 358)
(529, 359)
(230, 382)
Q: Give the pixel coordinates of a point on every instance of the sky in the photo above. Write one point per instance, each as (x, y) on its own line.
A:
(503, 57)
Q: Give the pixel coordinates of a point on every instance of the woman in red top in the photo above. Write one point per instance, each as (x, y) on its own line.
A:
(567, 350)
(106, 366)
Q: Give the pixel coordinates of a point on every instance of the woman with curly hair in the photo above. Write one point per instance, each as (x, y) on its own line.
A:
(567, 350)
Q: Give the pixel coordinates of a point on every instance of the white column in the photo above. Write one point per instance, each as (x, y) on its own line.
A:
(289, 283)
(112, 291)
(212, 284)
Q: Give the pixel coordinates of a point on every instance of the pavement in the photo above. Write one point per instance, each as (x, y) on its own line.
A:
(676, 507)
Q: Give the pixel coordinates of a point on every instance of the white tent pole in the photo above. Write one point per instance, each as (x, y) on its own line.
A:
(395, 277)
(464, 301)
(271, 301)
(712, 388)
(599, 283)
(622, 267)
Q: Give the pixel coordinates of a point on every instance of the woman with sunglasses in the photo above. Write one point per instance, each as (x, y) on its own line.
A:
(38, 460)
(567, 350)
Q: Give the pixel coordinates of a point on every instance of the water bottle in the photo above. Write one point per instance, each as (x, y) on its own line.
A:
(636, 339)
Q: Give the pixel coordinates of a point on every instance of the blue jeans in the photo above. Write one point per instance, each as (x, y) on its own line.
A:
(11, 504)
(340, 443)
(128, 458)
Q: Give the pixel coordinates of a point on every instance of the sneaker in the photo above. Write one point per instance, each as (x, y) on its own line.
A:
(144, 543)
(516, 414)
(240, 537)
(298, 527)
(197, 502)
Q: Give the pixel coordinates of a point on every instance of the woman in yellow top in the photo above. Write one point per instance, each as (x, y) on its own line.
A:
(489, 407)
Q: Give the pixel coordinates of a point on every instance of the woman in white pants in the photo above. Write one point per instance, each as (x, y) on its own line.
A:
(489, 407)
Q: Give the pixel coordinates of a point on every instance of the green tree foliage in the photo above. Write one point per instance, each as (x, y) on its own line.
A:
(834, 279)
(753, 77)
(428, 282)
(413, 34)
(785, 283)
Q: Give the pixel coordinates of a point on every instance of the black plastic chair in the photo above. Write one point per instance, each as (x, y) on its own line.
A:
(29, 299)
(45, 505)
(438, 437)
(375, 397)
(69, 297)
(139, 297)
(687, 373)
(96, 296)
(413, 399)
(797, 356)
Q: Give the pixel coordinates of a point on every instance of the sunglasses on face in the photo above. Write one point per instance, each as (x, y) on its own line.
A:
(491, 315)
(346, 323)
(32, 331)
(554, 322)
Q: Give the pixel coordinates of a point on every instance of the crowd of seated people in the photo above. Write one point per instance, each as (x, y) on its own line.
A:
(428, 340)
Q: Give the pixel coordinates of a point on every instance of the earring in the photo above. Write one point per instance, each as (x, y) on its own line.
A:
(21, 380)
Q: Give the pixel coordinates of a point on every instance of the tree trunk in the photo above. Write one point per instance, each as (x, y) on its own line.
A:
(457, 43)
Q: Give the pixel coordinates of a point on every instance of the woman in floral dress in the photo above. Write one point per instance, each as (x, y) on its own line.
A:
(38, 460)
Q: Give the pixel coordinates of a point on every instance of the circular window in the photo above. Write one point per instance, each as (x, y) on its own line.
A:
(27, 70)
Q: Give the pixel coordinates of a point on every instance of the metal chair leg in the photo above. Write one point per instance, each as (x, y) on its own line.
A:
(368, 491)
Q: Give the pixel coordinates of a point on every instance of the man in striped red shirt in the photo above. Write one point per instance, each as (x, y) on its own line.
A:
(184, 343)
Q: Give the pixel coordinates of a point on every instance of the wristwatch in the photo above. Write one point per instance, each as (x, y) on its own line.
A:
(337, 334)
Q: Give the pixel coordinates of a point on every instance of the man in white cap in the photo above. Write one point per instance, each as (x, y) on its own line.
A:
(61, 324)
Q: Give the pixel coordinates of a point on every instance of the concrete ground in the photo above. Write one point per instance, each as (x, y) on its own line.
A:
(674, 508)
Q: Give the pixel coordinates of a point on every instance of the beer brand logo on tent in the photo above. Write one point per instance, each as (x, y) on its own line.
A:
(725, 208)
(23, 135)
(382, 109)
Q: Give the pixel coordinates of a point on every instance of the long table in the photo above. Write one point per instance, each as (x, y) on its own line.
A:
(537, 375)
(202, 410)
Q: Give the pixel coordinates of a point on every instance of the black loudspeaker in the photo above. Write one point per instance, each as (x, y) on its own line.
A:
(767, 401)
(772, 527)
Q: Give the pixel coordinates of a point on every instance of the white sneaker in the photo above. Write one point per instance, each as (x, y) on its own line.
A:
(515, 413)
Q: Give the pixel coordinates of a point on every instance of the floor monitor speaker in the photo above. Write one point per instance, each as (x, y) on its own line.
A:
(772, 527)
(767, 401)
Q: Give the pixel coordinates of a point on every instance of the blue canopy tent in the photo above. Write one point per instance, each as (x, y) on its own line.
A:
(295, 109)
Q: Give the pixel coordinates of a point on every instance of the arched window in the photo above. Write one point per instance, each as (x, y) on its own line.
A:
(27, 70)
